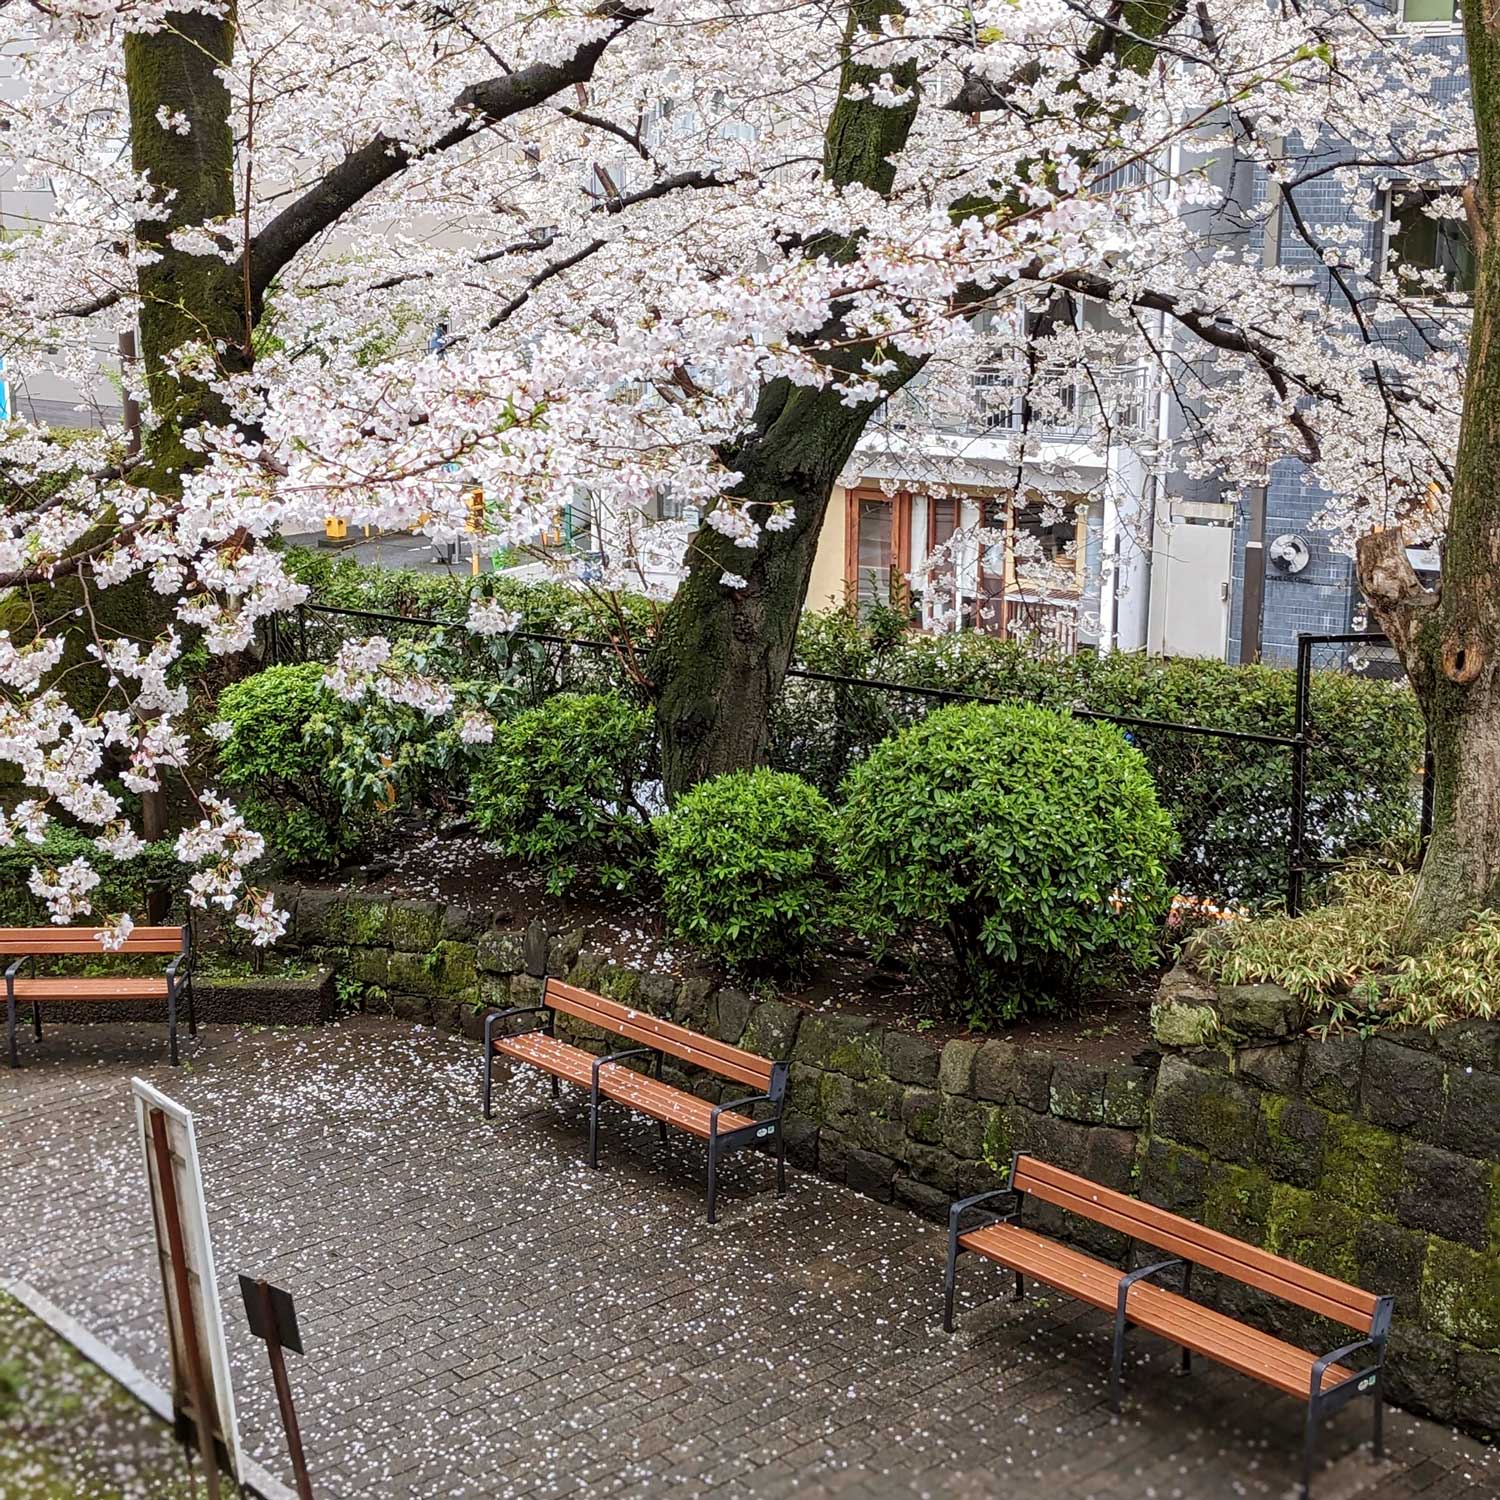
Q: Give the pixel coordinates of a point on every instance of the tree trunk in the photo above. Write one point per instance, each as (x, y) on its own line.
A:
(723, 651)
(1450, 641)
(185, 298)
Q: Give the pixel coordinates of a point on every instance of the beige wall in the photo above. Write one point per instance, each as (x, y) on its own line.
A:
(825, 589)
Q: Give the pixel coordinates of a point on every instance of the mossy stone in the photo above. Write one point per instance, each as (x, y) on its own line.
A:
(1181, 1023)
(956, 1067)
(911, 1059)
(1362, 1165)
(1314, 1229)
(1259, 1010)
(1127, 1097)
(364, 921)
(1461, 1293)
(922, 1115)
(1205, 1109)
(967, 1123)
(845, 1044)
(1292, 1140)
(370, 965)
(1238, 1201)
(1077, 1091)
(416, 926)
(771, 1030)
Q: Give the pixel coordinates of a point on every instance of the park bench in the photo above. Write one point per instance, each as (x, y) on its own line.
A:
(725, 1127)
(27, 944)
(1324, 1382)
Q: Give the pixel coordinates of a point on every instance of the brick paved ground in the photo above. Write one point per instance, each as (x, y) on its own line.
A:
(486, 1317)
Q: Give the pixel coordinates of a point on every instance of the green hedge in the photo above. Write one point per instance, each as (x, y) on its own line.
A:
(1230, 800)
(122, 883)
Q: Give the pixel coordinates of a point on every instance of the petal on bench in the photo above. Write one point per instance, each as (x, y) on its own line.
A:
(102, 987)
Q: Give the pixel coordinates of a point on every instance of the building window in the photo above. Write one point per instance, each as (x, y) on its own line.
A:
(878, 550)
(1428, 254)
(1437, 13)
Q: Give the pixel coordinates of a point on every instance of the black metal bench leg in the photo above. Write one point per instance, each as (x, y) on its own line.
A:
(489, 1071)
(10, 1031)
(950, 1283)
(1020, 1286)
(1377, 1430)
(1117, 1364)
(780, 1163)
(556, 1087)
(594, 1131)
(192, 1009)
(36, 1019)
(1309, 1449)
(713, 1178)
(172, 1023)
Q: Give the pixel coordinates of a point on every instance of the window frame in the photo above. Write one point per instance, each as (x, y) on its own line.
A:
(1389, 225)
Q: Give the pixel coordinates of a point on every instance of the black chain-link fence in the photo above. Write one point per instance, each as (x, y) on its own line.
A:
(1256, 814)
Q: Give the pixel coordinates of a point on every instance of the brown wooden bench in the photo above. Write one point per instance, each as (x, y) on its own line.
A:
(32, 943)
(1324, 1382)
(726, 1127)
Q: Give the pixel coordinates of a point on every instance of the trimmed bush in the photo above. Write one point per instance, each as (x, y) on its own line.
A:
(563, 786)
(279, 756)
(745, 861)
(1034, 842)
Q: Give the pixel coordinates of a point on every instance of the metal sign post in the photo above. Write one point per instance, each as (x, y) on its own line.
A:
(273, 1317)
(202, 1397)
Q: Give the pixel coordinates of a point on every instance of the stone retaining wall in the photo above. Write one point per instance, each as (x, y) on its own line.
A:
(1375, 1159)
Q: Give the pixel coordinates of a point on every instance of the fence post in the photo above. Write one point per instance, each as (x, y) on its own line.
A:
(273, 641)
(1297, 842)
(302, 631)
(1424, 826)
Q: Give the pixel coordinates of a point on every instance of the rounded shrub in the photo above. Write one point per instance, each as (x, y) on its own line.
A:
(564, 786)
(1032, 841)
(746, 862)
(279, 756)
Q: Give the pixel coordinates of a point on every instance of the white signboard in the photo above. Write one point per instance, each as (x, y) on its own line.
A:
(195, 1324)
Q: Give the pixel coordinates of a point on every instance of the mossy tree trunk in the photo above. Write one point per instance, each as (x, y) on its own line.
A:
(185, 299)
(1449, 640)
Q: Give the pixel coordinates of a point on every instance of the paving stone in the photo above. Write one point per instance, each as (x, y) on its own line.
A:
(485, 1317)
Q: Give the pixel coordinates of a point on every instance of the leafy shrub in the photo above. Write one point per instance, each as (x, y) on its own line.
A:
(1344, 960)
(564, 786)
(1230, 800)
(1032, 841)
(745, 860)
(278, 754)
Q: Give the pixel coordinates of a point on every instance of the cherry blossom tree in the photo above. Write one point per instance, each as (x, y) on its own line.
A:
(687, 253)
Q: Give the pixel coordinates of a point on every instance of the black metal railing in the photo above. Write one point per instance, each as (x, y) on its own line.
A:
(1257, 812)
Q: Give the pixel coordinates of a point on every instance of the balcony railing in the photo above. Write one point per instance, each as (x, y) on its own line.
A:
(990, 402)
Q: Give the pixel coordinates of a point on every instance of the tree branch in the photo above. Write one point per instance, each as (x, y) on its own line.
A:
(380, 159)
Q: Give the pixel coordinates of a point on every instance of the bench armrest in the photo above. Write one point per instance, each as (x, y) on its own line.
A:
(176, 964)
(14, 969)
(612, 1057)
(504, 1015)
(1315, 1381)
(720, 1109)
(1143, 1273)
(963, 1205)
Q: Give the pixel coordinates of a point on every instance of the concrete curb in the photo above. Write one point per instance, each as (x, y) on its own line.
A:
(119, 1369)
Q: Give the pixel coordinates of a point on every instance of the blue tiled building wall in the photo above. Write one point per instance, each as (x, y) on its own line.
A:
(1322, 598)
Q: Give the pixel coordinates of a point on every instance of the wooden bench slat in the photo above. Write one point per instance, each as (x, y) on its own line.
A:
(678, 1041)
(1331, 1298)
(105, 987)
(1153, 1307)
(20, 941)
(621, 1084)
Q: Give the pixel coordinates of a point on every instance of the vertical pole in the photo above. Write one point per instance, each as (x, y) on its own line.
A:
(1424, 826)
(284, 1392)
(1298, 837)
(203, 1417)
(153, 803)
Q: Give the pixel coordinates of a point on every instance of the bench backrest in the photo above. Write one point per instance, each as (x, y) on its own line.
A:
(1350, 1305)
(44, 940)
(676, 1041)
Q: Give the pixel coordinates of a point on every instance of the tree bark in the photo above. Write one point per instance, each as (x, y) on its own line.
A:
(1449, 641)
